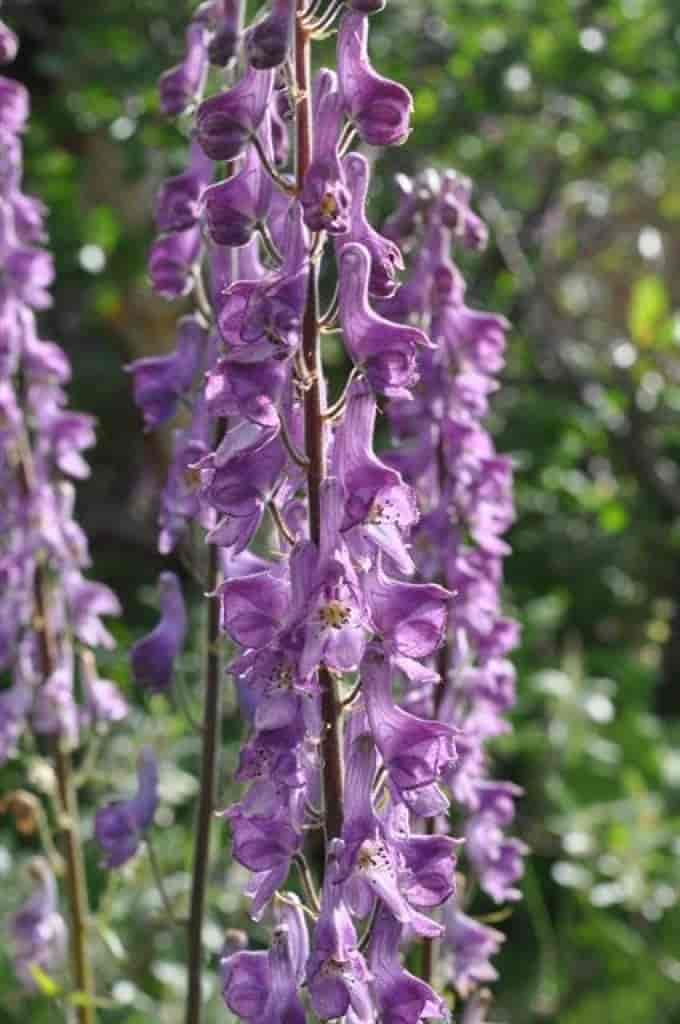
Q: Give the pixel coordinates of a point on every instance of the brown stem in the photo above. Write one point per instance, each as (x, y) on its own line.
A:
(207, 795)
(315, 440)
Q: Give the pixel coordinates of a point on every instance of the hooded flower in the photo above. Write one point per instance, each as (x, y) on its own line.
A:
(401, 998)
(37, 929)
(386, 258)
(153, 657)
(380, 109)
(235, 207)
(181, 85)
(268, 42)
(178, 200)
(225, 123)
(470, 945)
(159, 382)
(384, 350)
(171, 262)
(119, 826)
(325, 197)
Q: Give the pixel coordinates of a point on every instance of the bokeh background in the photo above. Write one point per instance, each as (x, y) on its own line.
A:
(566, 114)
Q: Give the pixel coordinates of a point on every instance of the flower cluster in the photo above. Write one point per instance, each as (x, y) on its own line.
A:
(366, 710)
(465, 490)
(49, 610)
(50, 613)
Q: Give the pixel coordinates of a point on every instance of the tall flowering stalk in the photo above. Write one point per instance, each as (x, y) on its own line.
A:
(361, 594)
(50, 613)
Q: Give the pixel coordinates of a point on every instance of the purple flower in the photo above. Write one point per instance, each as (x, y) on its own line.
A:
(153, 657)
(337, 975)
(325, 196)
(401, 998)
(159, 382)
(224, 44)
(181, 85)
(470, 944)
(103, 702)
(416, 751)
(120, 826)
(37, 929)
(9, 44)
(235, 207)
(14, 105)
(54, 711)
(386, 258)
(268, 42)
(380, 109)
(246, 984)
(171, 262)
(225, 123)
(377, 501)
(178, 200)
(385, 351)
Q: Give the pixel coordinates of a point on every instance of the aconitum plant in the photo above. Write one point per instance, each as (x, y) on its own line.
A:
(359, 593)
(50, 612)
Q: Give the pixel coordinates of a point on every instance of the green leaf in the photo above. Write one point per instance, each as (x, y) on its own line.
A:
(46, 985)
(648, 309)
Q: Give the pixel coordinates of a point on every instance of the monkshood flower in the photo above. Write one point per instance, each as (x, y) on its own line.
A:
(226, 122)
(386, 258)
(45, 602)
(37, 930)
(178, 200)
(235, 207)
(384, 350)
(361, 592)
(325, 195)
(268, 41)
(181, 86)
(470, 945)
(380, 109)
(120, 826)
(153, 657)
(9, 44)
(223, 46)
(160, 382)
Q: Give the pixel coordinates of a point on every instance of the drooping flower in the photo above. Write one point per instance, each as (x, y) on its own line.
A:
(120, 826)
(380, 108)
(37, 930)
(153, 657)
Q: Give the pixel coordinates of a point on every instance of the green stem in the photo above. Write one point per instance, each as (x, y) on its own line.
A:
(207, 794)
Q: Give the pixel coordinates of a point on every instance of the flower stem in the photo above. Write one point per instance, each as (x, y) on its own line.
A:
(69, 826)
(315, 439)
(67, 800)
(206, 799)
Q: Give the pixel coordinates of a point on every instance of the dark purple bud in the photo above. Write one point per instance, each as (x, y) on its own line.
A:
(181, 85)
(233, 208)
(153, 657)
(380, 108)
(224, 44)
(171, 261)
(268, 42)
(119, 827)
(225, 123)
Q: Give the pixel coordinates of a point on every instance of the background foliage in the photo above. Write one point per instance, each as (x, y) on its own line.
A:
(566, 114)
